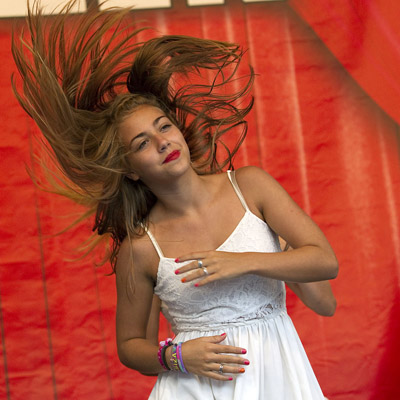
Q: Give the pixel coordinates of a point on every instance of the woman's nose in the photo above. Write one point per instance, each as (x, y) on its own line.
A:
(162, 143)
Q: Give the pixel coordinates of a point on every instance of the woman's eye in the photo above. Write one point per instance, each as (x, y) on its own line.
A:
(165, 127)
(142, 144)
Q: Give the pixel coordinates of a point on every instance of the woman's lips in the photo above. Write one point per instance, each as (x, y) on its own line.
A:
(172, 156)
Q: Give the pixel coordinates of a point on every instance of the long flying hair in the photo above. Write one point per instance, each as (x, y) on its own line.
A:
(83, 74)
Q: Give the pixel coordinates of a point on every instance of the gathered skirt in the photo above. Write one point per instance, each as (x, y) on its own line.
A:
(279, 368)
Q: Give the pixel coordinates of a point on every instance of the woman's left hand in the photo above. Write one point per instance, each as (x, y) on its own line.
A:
(210, 266)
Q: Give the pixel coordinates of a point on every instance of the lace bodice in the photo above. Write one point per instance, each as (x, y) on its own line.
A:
(232, 301)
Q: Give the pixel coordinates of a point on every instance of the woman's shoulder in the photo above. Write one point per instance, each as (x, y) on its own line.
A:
(249, 171)
(252, 178)
(257, 186)
(137, 251)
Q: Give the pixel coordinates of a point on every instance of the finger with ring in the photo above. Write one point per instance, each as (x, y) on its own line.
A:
(221, 369)
(199, 264)
(205, 271)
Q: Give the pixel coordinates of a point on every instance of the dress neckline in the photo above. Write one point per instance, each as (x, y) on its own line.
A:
(246, 214)
(247, 211)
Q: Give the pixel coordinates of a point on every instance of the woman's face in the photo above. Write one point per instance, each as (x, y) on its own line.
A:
(157, 148)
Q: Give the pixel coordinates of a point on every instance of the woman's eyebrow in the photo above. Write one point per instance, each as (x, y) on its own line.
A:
(156, 121)
(141, 134)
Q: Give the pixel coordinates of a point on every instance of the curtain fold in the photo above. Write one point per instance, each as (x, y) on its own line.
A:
(364, 35)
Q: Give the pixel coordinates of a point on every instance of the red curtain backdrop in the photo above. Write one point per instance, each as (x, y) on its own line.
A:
(324, 124)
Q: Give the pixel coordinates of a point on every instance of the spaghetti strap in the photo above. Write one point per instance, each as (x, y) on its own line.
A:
(155, 244)
(232, 178)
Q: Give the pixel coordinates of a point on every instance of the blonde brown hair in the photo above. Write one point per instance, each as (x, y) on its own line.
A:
(78, 87)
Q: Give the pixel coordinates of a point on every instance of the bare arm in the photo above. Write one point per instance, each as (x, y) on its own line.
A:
(153, 324)
(137, 325)
(154, 319)
(136, 339)
(312, 258)
(317, 296)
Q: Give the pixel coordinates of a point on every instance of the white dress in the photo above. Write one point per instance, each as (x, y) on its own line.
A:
(251, 310)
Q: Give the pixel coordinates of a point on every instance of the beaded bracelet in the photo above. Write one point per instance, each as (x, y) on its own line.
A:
(161, 353)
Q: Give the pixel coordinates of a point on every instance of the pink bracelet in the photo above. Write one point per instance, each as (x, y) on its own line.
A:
(161, 352)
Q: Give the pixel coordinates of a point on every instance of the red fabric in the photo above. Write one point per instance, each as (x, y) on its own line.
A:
(364, 35)
(314, 127)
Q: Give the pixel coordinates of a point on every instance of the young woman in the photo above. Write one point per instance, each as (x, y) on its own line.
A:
(139, 146)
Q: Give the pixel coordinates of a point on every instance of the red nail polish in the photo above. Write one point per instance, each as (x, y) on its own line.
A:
(223, 334)
(196, 285)
(176, 259)
(230, 378)
(183, 280)
(247, 362)
(177, 272)
(244, 351)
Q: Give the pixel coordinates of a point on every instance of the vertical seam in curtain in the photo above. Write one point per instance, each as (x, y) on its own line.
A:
(43, 272)
(298, 126)
(3, 344)
(390, 196)
(231, 38)
(103, 337)
(255, 109)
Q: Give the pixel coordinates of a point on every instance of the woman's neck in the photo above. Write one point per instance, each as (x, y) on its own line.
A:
(188, 194)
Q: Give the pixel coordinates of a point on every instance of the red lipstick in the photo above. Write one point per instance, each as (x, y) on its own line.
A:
(172, 156)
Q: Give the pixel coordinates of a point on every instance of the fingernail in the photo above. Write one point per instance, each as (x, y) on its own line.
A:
(196, 285)
(183, 280)
(223, 334)
(241, 370)
(177, 272)
(176, 259)
(230, 378)
(247, 362)
(244, 351)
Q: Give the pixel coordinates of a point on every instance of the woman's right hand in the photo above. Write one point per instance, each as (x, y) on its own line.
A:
(205, 355)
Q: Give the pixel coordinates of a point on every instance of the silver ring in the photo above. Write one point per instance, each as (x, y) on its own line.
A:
(205, 271)
(199, 264)
(221, 369)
